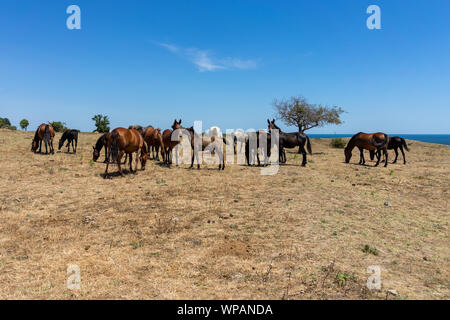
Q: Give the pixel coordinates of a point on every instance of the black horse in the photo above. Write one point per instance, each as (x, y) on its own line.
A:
(254, 146)
(394, 143)
(291, 140)
(72, 137)
(101, 142)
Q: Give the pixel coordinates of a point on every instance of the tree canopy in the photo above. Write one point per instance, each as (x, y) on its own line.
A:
(101, 123)
(24, 124)
(296, 111)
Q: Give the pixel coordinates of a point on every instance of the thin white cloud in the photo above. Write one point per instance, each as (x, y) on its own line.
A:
(206, 61)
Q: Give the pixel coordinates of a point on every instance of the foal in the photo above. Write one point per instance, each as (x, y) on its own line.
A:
(71, 136)
(394, 143)
(101, 142)
(168, 143)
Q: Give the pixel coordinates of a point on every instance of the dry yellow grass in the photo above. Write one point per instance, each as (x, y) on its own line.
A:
(179, 233)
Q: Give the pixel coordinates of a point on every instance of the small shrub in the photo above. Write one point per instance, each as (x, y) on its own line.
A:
(338, 143)
(369, 249)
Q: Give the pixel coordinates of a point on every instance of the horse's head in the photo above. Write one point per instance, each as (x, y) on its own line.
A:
(272, 125)
(348, 155)
(34, 145)
(95, 154)
(60, 144)
(144, 157)
(176, 124)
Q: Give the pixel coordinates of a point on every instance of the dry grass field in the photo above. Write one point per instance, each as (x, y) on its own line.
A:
(203, 234)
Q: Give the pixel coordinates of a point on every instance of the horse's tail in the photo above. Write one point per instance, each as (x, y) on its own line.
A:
(308, 145)
(114, 147)
(47, 134)
(383, 143)
(404, 144)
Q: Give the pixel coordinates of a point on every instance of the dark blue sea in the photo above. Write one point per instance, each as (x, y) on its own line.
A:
(431, 138)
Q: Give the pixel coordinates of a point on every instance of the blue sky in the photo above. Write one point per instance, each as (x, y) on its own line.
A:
(224, 62)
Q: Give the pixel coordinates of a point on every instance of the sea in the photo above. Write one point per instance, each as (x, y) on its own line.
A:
(430, 138)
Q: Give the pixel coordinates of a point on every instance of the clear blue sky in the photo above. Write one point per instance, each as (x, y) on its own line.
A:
(224, 62)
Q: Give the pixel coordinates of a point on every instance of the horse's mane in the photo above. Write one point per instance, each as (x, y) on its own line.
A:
(99, 143)
(36, 134)
(351, 142)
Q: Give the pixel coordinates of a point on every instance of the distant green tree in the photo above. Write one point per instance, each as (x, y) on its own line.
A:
(24, 124)
(4, 123)
(101, 123)
(58, 126)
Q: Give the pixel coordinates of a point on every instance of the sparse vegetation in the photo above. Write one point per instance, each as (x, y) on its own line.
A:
(201, 234)
(371, 250)
(338, 143)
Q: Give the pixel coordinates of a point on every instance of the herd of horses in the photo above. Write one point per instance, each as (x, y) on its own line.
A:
(146, 141)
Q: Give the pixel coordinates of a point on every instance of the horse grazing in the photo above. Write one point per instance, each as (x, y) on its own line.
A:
(394, 143)
(154, 140)
(126, 141)
(369, 141)
(44, 132)
(101, 142)
(291, 140)
(168, 143)
(202, 143)
(71, 136)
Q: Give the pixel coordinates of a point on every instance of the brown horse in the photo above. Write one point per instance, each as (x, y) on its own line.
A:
(126, 141)
(44, 132)
(202, 143)
(369, 141)
(169, 144)
(153, 138)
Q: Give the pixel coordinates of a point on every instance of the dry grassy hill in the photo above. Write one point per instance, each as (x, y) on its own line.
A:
(179, 233)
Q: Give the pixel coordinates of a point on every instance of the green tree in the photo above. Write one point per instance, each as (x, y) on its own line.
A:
(58, 126)
(4, 123)
(296, 111)
(24, 124)
(101, 123)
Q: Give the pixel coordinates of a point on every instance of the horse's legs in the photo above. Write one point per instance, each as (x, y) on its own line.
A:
(136, 161)
(76, 145)
(386, 156)
(379, 157)
(46, 150)
(106, 170)
(51, 146)
(403, 153)
(192, 159)
(119, 160)
(106, 155)
(130, 160)
(40, 146)
(396, 155)
(302, 147)
(361, 156)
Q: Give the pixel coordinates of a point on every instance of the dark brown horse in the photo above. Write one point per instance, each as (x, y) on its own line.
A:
(202, 143)
(394, 143)
(169, 144)
(72, 137)
(291, 140)
(154, 140)
(101, 142)
(44, 132)
(369, 141)
(126, 141)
